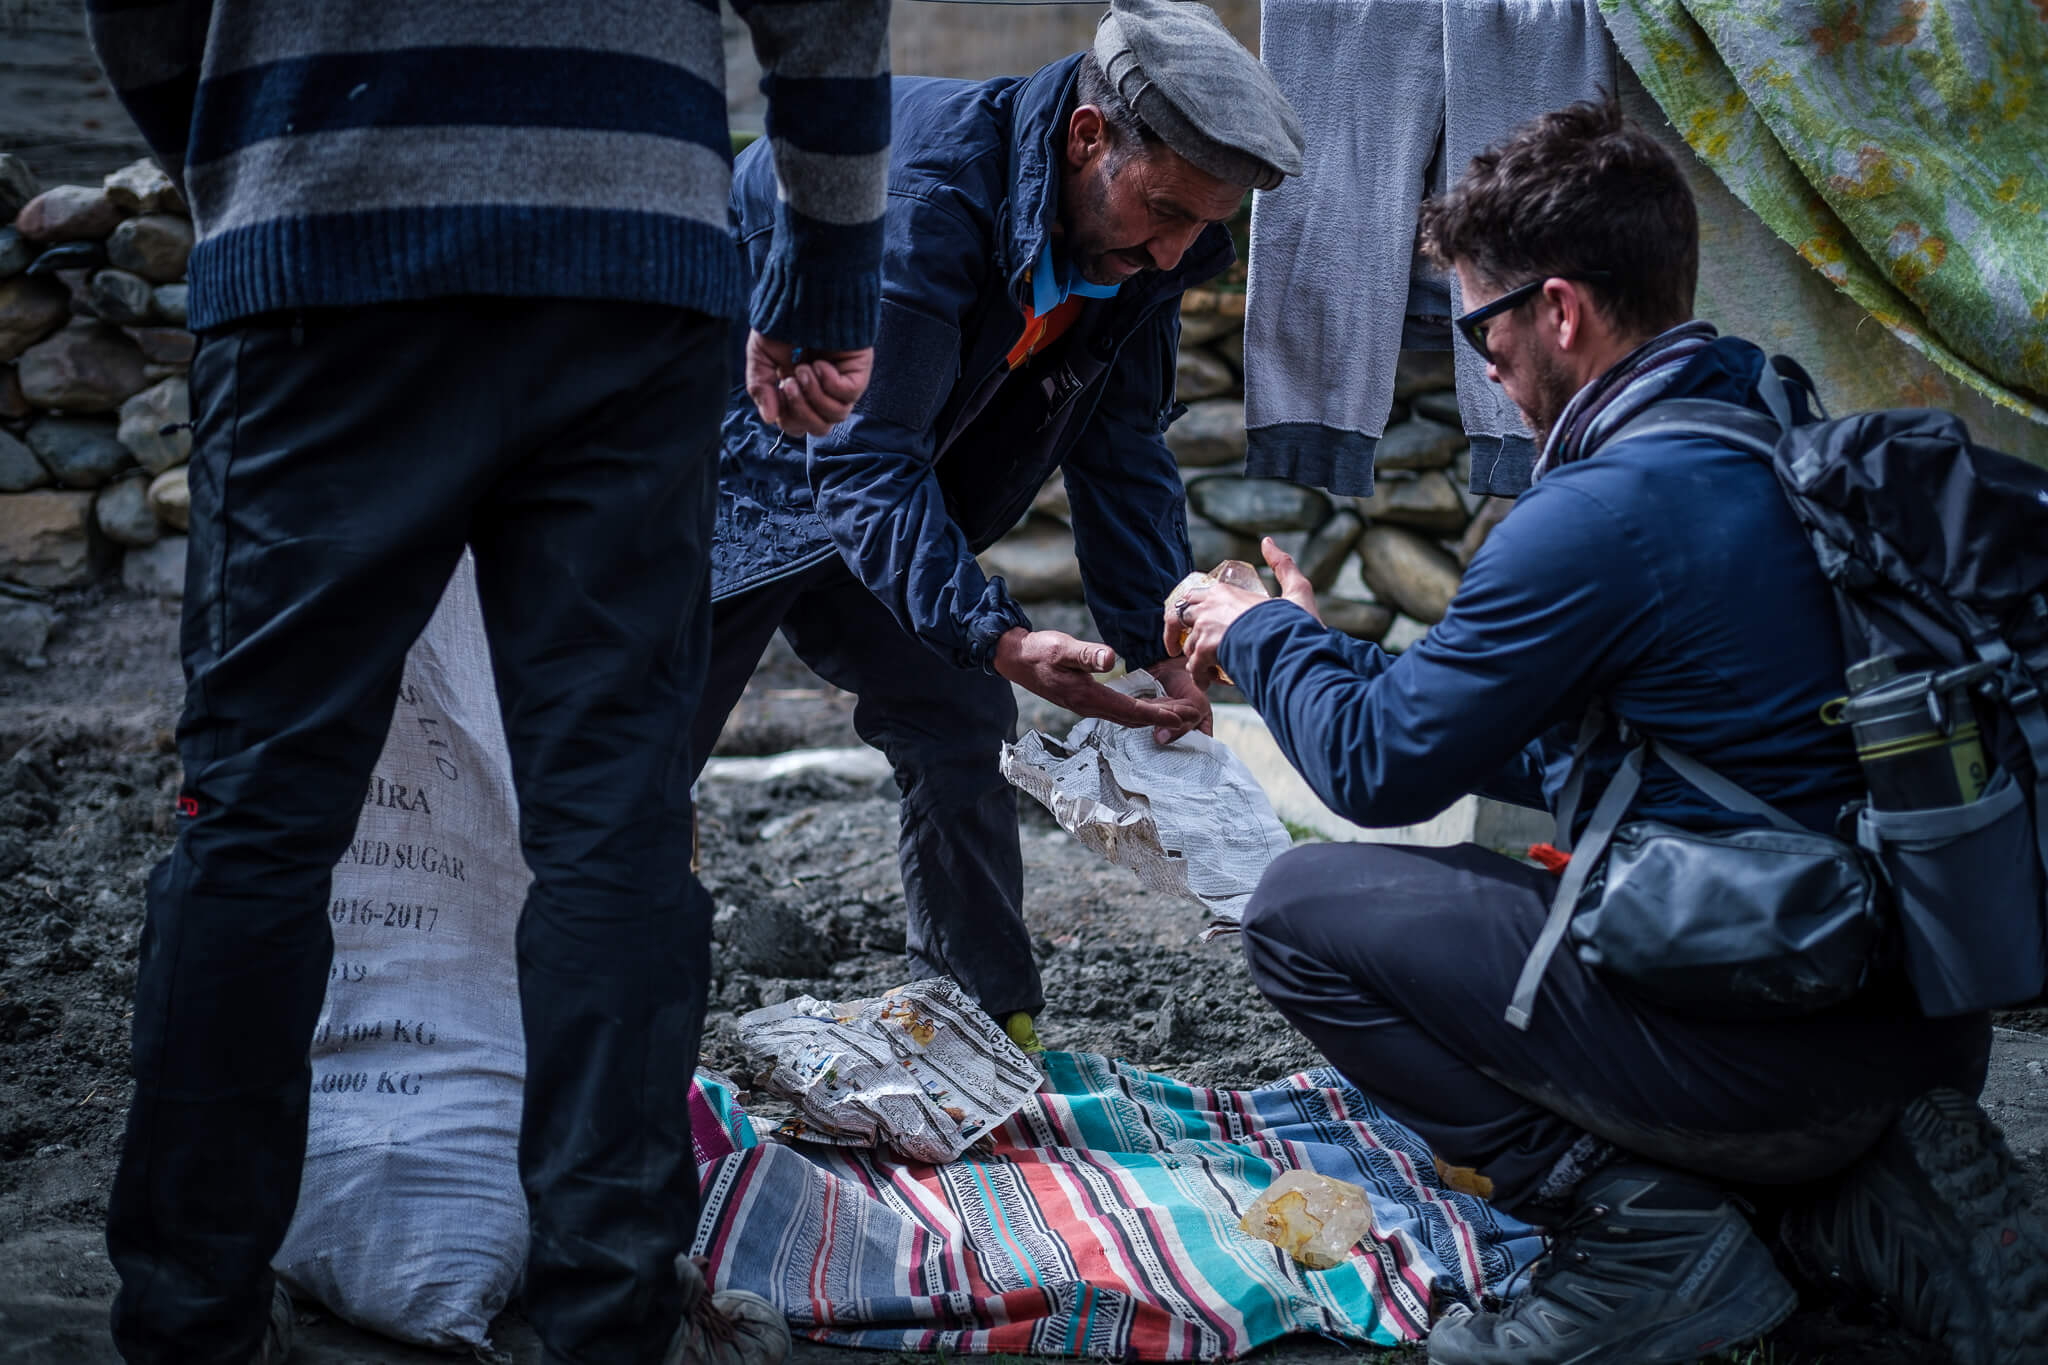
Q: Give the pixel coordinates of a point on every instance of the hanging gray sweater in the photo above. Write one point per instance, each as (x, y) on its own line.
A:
(369, 151)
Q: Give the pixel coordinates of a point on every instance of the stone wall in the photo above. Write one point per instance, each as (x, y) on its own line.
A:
(57, 111)
(1384, 567)
(969, 41)
(94, 411)
(977, 41)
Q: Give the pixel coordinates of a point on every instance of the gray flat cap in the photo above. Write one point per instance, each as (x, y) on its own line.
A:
(1177, 67)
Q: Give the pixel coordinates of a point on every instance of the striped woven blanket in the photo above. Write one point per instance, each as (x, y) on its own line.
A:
(1101, 1221)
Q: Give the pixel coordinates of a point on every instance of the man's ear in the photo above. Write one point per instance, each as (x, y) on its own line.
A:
(1571, 304)
(1087, 136)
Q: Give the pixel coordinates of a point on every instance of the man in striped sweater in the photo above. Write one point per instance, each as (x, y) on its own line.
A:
(464, 278)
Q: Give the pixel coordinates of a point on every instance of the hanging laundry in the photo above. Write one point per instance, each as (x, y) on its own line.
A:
(1394, 95)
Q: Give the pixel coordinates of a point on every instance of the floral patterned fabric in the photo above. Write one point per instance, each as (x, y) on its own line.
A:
(1900, 145)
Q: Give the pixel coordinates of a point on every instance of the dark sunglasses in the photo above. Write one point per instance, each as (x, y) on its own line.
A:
(1472, 325)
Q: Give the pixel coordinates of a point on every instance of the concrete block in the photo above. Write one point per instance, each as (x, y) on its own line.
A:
(1472, 819)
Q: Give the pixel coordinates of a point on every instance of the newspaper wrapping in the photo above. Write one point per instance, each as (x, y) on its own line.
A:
(920, 1070)
(1189, 818)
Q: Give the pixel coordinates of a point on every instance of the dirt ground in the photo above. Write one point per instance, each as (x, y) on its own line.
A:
(802, 868)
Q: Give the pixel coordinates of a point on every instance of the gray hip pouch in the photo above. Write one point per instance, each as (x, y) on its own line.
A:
(1744, 924)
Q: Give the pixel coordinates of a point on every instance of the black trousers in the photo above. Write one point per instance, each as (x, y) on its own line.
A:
(1398, 963)
(341, 462)
(942, 729)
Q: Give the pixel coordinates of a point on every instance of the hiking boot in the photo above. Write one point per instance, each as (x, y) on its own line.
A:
(1651, 1268)
(1933, 1227)
(731, 1327)
(277, 1333)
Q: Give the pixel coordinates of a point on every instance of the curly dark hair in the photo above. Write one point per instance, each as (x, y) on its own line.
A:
(1579, 189)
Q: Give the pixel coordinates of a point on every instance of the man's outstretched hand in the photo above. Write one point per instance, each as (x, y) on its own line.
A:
(1054, 665)
(805, 397)
(1181, 687)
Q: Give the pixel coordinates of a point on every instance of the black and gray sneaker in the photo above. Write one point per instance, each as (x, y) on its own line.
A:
(1933, 1227)
(1651, 1268)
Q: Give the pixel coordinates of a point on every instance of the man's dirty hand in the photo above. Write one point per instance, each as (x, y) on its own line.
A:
(808, 396)
(1054, 665)
(1181, 687)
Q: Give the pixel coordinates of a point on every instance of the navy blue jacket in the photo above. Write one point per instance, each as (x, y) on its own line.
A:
(947, 448)
(1666, 574)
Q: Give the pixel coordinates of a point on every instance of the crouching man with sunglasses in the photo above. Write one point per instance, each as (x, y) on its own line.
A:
(1664, 580)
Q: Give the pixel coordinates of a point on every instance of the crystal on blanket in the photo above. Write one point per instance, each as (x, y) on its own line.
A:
(1311, 1217)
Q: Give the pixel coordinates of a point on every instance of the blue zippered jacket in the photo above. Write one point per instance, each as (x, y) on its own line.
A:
(947, 448)
(1664, 573)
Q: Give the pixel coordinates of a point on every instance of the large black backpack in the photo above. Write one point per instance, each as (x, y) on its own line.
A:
(1937, 551)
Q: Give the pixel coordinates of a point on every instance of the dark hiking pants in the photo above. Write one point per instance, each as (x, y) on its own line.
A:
(342, 460)
(942, 729)
(1398, 963)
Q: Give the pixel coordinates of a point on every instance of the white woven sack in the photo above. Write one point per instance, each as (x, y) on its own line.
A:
(410, 1219)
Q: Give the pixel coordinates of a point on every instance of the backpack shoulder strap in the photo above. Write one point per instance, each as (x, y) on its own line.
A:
(1607, 817)
(1744, 428)
(1613, 804)
(1590, 726)
(1738, 425)
(1724, 790)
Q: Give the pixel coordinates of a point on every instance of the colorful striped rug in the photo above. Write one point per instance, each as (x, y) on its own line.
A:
(1102, 1221)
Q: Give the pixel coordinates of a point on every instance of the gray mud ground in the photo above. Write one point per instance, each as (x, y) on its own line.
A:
(87, 779)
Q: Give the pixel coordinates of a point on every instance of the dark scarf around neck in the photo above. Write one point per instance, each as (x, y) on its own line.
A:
(1629, 386)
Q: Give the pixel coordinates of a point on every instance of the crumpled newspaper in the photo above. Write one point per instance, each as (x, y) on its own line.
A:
(1189, 819)
(921, 1070)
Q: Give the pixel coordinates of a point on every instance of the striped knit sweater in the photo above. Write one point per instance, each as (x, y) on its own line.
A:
(346, 152)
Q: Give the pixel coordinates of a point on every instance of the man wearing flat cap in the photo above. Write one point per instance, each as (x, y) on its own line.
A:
(1039, 233)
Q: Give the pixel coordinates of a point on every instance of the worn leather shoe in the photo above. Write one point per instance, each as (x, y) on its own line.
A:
(1651, 1268)
(730, 1327)
(1933, 1227)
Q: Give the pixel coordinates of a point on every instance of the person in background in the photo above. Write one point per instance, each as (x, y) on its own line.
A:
(1041, 230)
(463, 279)
(1630, 575)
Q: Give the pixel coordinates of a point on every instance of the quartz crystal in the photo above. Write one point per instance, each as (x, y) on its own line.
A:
(1311, 1217)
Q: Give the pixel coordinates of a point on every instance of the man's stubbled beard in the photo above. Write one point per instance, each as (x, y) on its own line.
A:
(1085, 250)
(1554, 389)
